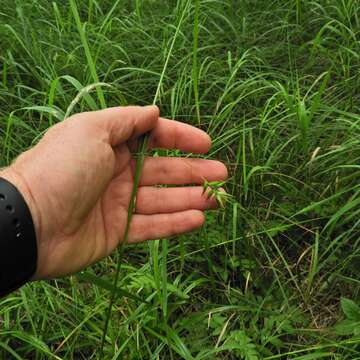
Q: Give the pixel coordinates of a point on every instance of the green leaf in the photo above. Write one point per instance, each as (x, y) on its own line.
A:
(350, 309)
(89, 57)
(57, 113)
(87, 277)
(246, 349)
(347, 327)
(316, 355)
(31, 340)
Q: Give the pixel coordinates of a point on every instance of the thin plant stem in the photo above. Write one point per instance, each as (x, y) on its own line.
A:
(141, 153)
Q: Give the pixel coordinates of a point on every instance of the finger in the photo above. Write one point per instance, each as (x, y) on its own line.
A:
(150, 227)
(152, 200)
(180, 171)
(171, 134)
(124, 123)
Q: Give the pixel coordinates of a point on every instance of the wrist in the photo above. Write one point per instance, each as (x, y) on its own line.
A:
(15, 178)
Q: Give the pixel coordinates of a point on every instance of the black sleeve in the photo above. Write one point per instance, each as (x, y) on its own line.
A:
(18, 247)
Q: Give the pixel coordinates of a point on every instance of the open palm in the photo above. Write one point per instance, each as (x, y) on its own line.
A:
(78, 179)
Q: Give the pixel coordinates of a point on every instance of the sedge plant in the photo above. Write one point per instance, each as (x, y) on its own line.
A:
(140, 157)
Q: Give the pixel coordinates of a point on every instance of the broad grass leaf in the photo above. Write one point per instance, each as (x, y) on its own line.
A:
(350, 309)
(57, 113)
(347, 327)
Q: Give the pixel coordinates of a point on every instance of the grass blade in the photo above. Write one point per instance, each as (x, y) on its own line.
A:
(142, 148)
(88, 55)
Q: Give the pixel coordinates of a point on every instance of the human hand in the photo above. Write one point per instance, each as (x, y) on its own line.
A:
(77, 182)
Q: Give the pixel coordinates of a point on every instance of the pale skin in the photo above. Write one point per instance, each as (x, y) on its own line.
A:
(77, 182)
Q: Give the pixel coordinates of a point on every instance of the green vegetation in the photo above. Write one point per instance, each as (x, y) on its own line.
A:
(273, 275)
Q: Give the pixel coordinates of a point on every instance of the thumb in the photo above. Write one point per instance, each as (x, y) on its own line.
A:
(125, 123)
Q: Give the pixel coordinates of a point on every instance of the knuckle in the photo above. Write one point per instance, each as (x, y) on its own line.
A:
(52, 132)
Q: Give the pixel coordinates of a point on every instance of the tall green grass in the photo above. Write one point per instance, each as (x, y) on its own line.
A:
(273, 276)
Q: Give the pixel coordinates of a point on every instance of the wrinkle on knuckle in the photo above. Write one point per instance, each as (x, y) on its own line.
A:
(135, 233)
(161, 168)
(50, 135)
(174, 226)
(152, 140)
(189, 163)
(190, 198)
(162, 204)
(142, 200)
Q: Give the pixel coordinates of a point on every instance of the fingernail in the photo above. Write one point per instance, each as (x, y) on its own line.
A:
(149, 107)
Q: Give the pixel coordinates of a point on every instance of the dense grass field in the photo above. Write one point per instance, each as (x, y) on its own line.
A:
(273, 275)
